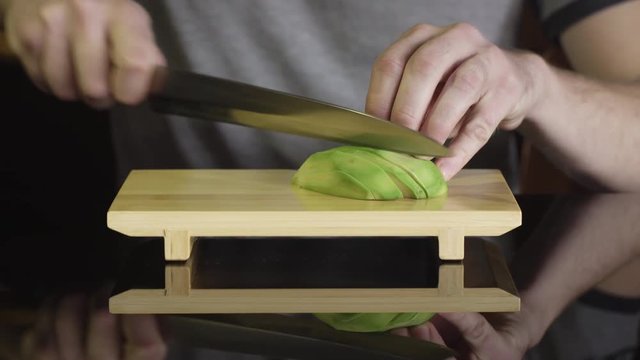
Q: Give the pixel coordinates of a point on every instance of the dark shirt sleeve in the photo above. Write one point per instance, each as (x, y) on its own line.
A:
(558, 15)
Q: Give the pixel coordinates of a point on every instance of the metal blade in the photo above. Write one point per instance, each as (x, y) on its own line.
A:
(295, 338)
(207, 97)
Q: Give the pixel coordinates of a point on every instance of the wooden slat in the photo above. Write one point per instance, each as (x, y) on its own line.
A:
(311, 301)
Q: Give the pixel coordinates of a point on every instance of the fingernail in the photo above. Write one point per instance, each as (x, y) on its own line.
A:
(444, 169)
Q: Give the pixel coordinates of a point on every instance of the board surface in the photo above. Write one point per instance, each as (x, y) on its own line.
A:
(264, 203)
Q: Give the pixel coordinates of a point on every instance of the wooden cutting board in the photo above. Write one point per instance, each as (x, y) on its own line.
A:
(181, 205)
(312, 275)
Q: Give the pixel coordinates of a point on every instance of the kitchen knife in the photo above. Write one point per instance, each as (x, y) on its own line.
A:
(206, 97)
(287, 337)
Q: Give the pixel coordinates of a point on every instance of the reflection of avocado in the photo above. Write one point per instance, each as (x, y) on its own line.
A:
(373, 322)
(370, 174)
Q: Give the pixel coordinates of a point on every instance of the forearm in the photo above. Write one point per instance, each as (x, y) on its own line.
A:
(560, 263)
(590, 129)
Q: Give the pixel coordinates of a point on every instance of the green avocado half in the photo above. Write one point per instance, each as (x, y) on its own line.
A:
(364, 173)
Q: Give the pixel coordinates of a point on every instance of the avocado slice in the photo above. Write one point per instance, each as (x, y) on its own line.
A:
(409, 187)
(424, 172)
(336, 173)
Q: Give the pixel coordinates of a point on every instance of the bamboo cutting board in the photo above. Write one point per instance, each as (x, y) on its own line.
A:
(181, 205)
(314, 275)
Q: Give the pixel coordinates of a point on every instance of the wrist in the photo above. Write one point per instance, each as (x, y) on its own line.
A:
(535, 317)
(547, 91)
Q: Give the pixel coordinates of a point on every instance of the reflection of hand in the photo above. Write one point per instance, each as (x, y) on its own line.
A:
(81, 49)
(499, 336)
(73, 330)
(452, 82)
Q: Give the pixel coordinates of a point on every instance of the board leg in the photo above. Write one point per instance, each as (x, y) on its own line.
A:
(178, 276)
(451, 244)
(177, 245)
(451, 279)
(177, 280)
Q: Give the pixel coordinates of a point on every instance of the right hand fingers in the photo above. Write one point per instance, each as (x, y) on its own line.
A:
(134, 54)
(54, 61)
(389, 67)
(92, 50)
(25, 39)
(115, 51)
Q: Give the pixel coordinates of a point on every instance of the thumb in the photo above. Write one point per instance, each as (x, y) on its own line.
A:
(479, 335)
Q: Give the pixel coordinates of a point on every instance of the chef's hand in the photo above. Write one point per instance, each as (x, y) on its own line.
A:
(73, 329)
(450, 82)
(95, 51)
(498, 336)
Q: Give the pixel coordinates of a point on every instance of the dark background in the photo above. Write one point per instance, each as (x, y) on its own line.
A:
(57, 180)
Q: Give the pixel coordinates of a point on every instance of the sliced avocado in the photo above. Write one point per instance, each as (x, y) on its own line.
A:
(409, 187)
(332, 182)
(327, 171)
(370, 174)
(424, 172)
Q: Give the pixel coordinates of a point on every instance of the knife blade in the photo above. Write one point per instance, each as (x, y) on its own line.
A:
(207, 97)
(281, 336)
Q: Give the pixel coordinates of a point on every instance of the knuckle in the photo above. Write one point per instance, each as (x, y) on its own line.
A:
(468, 79)
(533, 62)
(406, 117)
(478, 331)
(133, 11)
(95, 89)
(389, 65)
(481, 129)
(137, 60)
(87, 14)
(492, 55)
(511, 124)
(52, 15)
(422, 64)
(494, 52)
(467, 30)
(30, 38)
(510, 85)
(421, 30)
